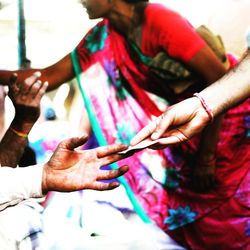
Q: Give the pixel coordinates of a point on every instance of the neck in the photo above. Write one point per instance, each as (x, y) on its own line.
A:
(125, 17)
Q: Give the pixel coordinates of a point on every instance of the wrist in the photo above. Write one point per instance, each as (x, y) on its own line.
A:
(213, 99)
(22, 125)
(45, 189)
(205, 106)
(19, 133)
(198, 109)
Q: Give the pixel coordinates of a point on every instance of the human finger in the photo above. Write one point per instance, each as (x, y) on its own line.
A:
(172, 137)
(34, 89)
(29, 81)
(41, 89)
(109, 150)
(73, 142)
(163, 123)
(143, 133)
(112, 174)
(13, 78)
(102, 186)
(106, 160)
(13, 86)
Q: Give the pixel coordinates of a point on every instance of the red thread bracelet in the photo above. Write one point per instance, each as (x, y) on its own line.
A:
(205, 106)
(20, 134)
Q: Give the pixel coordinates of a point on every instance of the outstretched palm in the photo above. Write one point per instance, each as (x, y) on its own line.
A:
(70, 169)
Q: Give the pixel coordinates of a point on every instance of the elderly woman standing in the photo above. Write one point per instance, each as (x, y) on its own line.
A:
(140, 48)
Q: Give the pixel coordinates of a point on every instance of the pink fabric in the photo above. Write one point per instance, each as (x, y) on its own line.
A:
(212, 220)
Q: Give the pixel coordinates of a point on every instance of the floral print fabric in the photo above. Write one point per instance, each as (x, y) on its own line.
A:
(159, 179)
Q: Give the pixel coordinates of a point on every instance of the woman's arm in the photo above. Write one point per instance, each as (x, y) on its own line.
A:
(235, 86)
(187, 118)
(208, 66)
(55, 75)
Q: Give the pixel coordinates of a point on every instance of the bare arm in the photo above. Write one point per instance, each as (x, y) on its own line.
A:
(211, 69)
(235, 86)
(189, 117)
(55, 75)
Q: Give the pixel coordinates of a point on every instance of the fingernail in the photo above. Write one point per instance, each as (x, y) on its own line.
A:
(132, 142)
(155, 136)
(37, 73)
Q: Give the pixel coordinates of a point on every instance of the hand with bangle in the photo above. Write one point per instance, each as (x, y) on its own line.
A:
(26, 99)
(178, 123)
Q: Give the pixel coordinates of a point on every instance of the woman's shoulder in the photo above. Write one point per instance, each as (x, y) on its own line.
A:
(158, 15)
(156, 9)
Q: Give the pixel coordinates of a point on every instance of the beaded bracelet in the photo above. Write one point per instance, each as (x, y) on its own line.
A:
(20, 134)
(205, 106)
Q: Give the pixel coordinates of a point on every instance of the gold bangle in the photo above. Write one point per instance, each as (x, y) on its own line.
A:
(20, 134)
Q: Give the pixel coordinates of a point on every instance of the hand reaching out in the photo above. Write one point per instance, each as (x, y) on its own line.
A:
(70, 169)
(179, 123)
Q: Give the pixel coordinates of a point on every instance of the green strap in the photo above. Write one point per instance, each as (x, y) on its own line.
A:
(102, 140)
(143, 58)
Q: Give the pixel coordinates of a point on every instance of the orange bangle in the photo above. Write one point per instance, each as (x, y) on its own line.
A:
(20, 134)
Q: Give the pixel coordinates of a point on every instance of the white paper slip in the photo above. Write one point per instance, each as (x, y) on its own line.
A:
(142, 145)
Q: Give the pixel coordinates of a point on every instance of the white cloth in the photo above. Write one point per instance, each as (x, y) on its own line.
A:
(18, 184)
(77, 221)
(21, 227)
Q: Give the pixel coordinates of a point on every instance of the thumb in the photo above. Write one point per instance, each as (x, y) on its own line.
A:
(74, 142)
(13, 78)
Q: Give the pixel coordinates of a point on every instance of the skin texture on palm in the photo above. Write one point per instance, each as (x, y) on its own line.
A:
(70, 169)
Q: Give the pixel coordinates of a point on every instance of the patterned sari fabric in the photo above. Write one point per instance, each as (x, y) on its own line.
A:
(114, 78)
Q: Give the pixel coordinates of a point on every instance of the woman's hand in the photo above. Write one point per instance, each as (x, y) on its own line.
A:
(179, 123)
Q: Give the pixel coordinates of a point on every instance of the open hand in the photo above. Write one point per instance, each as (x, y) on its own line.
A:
(70, 170)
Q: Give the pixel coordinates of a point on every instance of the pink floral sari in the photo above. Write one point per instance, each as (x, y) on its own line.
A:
(113, 81)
